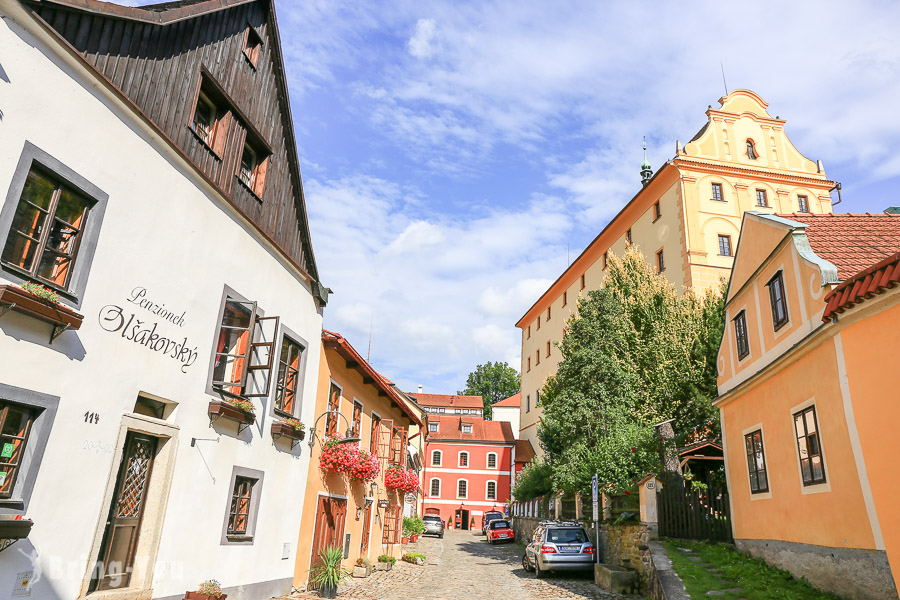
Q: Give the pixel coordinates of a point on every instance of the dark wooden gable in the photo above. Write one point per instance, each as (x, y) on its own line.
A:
(157, 56)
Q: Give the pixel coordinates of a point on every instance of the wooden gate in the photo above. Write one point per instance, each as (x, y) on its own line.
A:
(330, 514)
(696, 515)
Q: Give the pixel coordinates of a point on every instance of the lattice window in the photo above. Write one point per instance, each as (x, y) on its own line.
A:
(239, 515)
(131, 498)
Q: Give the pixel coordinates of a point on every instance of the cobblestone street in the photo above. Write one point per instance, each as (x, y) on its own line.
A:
(462, 566)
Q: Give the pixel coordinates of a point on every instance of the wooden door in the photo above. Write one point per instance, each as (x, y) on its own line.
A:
(366, 532)
(123, 524)
(329, 531)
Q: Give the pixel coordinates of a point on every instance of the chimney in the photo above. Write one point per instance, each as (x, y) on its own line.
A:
(420, 388)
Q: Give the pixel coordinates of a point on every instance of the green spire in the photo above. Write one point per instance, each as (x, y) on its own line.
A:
(646, 169)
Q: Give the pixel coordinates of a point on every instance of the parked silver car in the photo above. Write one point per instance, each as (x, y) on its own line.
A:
(559, 546)
(433, 525)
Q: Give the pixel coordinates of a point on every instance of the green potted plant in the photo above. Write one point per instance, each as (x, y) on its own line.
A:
(415, 558)
(329, 573)
(208, 590)
(363, 567)
(385, 562)
(413, 527)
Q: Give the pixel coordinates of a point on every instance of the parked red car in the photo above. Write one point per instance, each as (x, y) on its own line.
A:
(499, 530)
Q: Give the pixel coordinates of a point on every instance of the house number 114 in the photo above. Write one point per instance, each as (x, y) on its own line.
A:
(91, 417)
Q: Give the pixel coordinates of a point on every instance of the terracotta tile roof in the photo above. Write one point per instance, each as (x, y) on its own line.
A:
(524, 451)
(851, 242)
(450, 429)
(869, 282)
(448, 401)
(513, 401)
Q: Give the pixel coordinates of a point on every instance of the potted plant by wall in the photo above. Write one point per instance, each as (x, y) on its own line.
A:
(415, 558)
(363, 567)
(208, 590)
(329, 574)
(413, 527)
(385, 562)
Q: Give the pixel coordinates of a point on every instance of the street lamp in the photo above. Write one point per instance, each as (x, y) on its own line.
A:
(347, 439)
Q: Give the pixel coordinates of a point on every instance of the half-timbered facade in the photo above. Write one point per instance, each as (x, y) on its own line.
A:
(160, 306)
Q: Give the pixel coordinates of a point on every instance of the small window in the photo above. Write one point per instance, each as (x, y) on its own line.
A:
(435, 488)
(565, 299)
(206, 119)
(491, 460)
(548, 349)
(529, 332)
(46, 230)
(548, 313)
(457, 411)
(433, 427)
(761, 199)
(334, 407)
(491, 490)
(243, 359)
(436, 456)
(356, 425)
(391, 532)
(399, 446)
(252, 46)
(756, 462)
(529, 365)
(527, 403)
(605, 259)
(467, 429)
(717, 192)
(657, 213)
(537, 397)
(628, 236)
(443, 410)
(15, 426)
(463, 459)
(803, 204)
(660, 262)
(812, 465)
(751, 150)
(537, 357)
(239, 515)
(252, 170)
(582, 281)
(462, 488)
(724, 245)
(740, 334)
(538, 322)
(373, 434)
(288, 377)
(778, 300)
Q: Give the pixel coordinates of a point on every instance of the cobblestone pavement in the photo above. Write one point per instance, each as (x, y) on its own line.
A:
(462, 566)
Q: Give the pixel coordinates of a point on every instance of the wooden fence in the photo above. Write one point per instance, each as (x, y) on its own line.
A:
(697, 515)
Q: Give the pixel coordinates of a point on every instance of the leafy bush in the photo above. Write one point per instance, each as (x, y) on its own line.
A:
(330, 573)
(533, 481)
(412, 525)
(411, 557)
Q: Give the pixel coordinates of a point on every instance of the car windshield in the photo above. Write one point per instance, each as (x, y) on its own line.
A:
(428, 518)
(566, 536)
(489, 516)
(499, 525)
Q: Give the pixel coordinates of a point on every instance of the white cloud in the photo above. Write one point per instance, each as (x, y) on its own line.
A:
(420, 42)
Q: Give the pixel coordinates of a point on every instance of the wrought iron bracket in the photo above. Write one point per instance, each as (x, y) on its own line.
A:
(3, 311)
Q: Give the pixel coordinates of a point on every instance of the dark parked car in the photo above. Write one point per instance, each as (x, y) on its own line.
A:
(559, 546)
(434, 525)
(499, 530)
(488, 517)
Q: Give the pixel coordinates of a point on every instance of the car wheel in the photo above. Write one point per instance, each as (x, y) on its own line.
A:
(441, 535)
(525, 564)
(538, 573)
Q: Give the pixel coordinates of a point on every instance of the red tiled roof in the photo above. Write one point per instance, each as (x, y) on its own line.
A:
(851, 242)
(449, 429)
(446, 401)
(524, 451)
(515, 401)
(869, 282)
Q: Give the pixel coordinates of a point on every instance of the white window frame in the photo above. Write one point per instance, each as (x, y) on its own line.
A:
(466, 497)
(440, 461)
(487, 484)
(466, 428)
(459, 460)
(487, 460)
(431, 493)
(432, 428)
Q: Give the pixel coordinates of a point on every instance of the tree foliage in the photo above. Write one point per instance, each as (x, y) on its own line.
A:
(635, 354)
(534, 480)
(493, 381)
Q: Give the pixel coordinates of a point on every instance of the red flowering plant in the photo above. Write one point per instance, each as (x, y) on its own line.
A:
(401, 479)
(244, 405)
(349, 459)
(367, 466)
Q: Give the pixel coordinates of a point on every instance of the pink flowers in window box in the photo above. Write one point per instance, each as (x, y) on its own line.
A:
(401, 479)
(349, 459)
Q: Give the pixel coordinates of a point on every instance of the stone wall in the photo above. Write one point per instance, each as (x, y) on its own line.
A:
(851, 573)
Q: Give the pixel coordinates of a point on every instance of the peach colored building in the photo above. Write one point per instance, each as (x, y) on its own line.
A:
(363, 518)
(686, 220)
(807, 402)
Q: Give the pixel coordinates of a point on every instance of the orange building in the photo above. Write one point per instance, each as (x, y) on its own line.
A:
(363, 517)
(807, 401)
(685, 219)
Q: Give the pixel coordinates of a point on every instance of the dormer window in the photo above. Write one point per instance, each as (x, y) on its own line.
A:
(205, 118)
(466, 428)
(751, 150)
(254, 163)
(252, 46)
(249, 164)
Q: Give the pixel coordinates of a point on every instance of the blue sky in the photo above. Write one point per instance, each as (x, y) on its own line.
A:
(456, 155)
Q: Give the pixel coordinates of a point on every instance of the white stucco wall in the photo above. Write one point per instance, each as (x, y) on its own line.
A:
(164, 231)
(510, 414)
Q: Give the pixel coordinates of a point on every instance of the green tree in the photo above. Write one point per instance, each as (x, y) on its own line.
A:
(493, 381)
(636, 353)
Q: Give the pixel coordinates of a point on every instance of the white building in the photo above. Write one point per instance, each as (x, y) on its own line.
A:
(149, 175)
(508, 410)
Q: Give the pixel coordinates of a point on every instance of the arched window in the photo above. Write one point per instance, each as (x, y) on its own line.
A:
(435, 488)
(492, 460)
(463, 459)
(751, 150)
(491, 491)
(462, 488)
(436, 458)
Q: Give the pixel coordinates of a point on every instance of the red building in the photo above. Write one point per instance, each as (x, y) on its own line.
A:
(468, 464)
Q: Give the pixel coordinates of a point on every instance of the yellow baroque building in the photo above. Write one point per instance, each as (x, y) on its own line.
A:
(686, 219)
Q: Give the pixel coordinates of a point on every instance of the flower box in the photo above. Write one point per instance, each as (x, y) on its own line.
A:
(14, 528)
(384, 566)
(221, 409)
(360, 572)
(201, 596)
(26, 303)
(280, 429)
